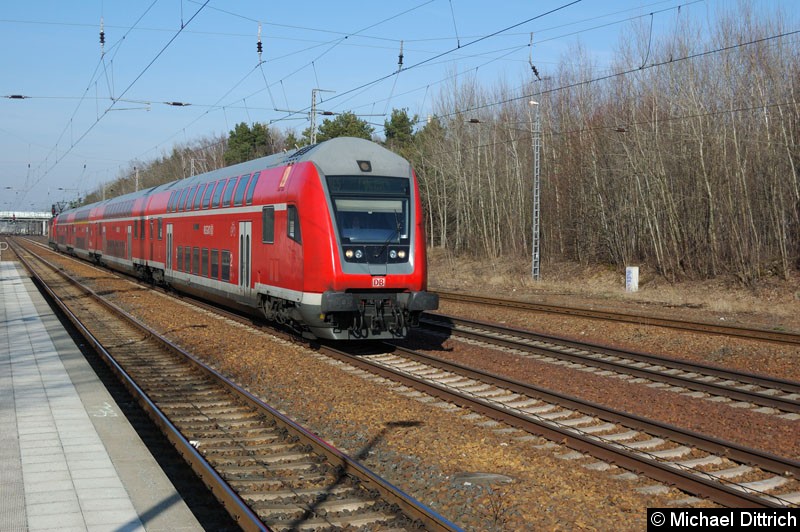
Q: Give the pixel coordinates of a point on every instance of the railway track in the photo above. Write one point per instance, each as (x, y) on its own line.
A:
(268, 472)
(724, 472)
(783, 337)
(772, 396)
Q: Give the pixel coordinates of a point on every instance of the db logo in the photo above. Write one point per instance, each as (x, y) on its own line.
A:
(378, 282)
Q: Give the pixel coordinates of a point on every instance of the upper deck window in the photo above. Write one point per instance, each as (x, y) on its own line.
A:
(207, 195)
(181, 199)
(218, 193)
(251, 188)
(189, 198)
(241, 186)
(198, 199)
(226, 200)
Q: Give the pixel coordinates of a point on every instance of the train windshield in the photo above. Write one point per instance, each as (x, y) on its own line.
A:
(370, 210)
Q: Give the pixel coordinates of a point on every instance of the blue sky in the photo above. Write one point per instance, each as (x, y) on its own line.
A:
(87, 117)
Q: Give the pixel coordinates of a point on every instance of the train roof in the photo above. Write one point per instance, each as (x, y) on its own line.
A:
(337, 156)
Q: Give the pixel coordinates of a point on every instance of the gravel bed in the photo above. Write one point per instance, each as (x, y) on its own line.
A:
(420, 445)
(761, 431)
(743, 426)
(765, 358)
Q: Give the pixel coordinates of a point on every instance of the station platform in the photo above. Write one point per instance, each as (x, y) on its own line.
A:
(69, 459)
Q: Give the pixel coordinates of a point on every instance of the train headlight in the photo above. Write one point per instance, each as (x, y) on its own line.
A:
(393, 254)
(401, 253)
(348, 253)
(359, 254)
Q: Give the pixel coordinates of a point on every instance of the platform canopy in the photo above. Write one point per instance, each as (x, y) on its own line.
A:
(24, 222)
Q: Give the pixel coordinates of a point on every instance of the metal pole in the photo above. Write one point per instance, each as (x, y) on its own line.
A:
(314, 92)
(314, 116)
(536, 189)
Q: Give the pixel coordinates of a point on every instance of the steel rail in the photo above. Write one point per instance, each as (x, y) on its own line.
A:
(649, 467)
(749, 333)
(451, 324)
(235, 506)
(721, 493)
(415, 510)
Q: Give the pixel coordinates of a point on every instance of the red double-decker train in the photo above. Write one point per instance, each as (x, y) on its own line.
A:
(328, 239)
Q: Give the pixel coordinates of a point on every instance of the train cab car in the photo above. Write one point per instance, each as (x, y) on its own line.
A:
(327, 239)
(354, 223)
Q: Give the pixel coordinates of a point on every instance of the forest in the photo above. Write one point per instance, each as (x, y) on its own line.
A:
(682, 156)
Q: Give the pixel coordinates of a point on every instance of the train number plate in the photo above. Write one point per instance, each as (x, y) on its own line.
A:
(378, 282)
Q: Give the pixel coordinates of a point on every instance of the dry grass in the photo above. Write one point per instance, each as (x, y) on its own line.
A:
(771, 300)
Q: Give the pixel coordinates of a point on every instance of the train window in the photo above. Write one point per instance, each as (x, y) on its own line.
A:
(226, 265)
(207, 195)
(180, 258)
(195, 261)
(160, 228)
(218, 193)
(215, 264)
(192, 196)
(187, 259)
(226, 200)
(241, 186)
(151, 229)
(293, 223)
(171, 201)
(141, 230)
(204, 262)
(135, 230)
(198, 199)
(251, 188)
(268, 225)
(179, 204)
(185, 198)
(187, 204)
(373, 220)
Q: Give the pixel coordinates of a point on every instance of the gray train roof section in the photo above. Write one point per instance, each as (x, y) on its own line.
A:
(338, 156)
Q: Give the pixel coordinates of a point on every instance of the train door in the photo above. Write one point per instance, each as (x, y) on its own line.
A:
(293, 255)
(168, 264)
(139, 251)
(245, 249)
(150, 239)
